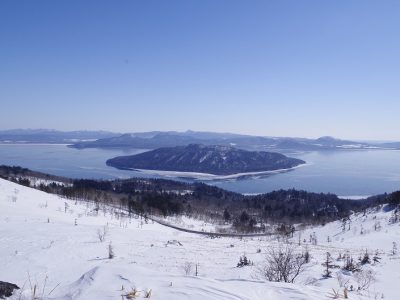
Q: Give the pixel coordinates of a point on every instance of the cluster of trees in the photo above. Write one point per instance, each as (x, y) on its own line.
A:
(147, 196)
(394, 198)
(245, 213)
(6, 171)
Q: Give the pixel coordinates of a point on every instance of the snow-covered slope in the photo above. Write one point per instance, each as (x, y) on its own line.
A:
(372, 231)
(53, 243)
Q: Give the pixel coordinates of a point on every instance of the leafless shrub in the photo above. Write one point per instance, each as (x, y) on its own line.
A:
(334, 294)
(36, 291)
(282, 264)
(132, 294)
(365, 278)
(148, 294)
(342, 280)
(102, 234)
(187, 268)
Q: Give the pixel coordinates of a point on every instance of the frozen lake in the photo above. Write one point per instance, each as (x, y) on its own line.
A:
(346, 173)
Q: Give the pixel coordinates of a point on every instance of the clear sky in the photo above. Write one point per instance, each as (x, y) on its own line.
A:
(276, 68)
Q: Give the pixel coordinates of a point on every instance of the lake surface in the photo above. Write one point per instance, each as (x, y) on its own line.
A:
(346, 173)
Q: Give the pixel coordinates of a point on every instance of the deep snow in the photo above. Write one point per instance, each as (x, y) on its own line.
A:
(41, 245)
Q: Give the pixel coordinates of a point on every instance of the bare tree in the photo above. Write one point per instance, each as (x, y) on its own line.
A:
(282, 264)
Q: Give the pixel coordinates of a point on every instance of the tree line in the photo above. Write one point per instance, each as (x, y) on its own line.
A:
(149, 196)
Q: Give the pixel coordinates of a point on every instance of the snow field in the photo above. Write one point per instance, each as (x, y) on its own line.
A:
(40, 244)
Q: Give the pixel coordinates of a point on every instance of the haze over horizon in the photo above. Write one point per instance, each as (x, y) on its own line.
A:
(276, 68)
(190, 130)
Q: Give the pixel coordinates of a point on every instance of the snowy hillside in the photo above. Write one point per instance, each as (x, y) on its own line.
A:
(55, 245)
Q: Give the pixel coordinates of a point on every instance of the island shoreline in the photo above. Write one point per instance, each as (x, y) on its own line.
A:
(209, 176)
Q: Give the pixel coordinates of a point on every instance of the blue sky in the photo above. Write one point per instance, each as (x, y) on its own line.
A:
(276, 68)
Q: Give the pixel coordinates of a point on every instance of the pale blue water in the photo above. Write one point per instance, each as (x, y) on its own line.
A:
(345, 173)
(64, 161)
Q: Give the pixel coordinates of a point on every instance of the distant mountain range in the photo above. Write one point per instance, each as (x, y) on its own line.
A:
(48, 136)
(158, 139)
(216, 160)
(155, 140)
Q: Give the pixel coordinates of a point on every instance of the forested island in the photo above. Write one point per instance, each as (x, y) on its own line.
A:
(216, 160)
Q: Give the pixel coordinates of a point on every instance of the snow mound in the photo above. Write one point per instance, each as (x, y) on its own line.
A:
(110, 281)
